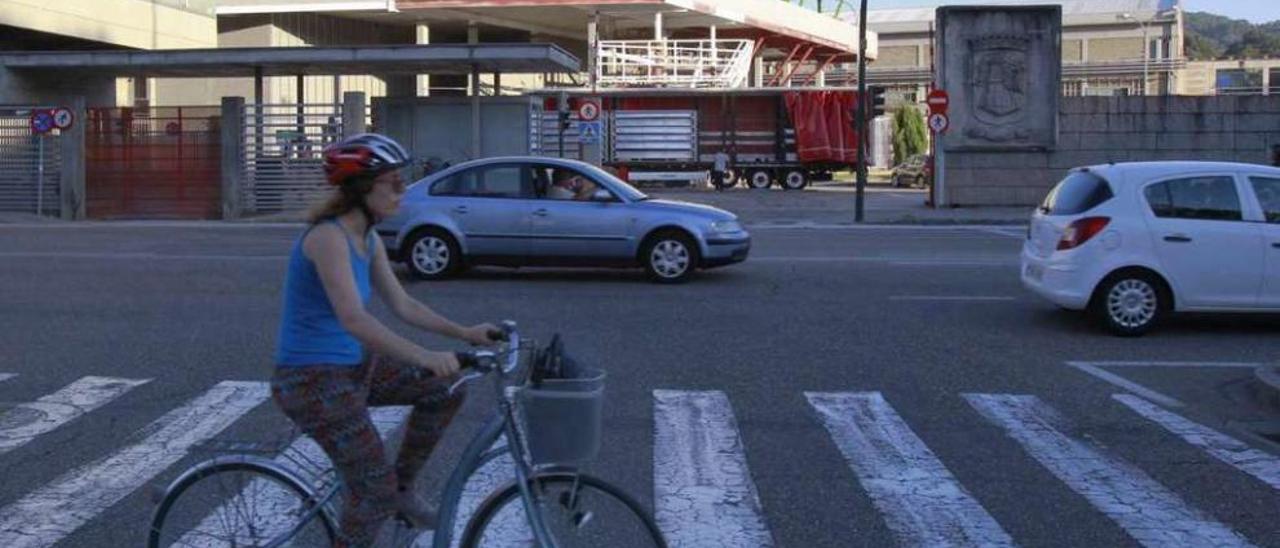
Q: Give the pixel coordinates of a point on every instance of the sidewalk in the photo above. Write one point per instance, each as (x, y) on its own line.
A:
(834, 203)
(821, 204)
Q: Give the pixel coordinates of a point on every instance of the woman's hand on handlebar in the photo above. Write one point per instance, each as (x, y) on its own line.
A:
(485, 334)
(442, 364)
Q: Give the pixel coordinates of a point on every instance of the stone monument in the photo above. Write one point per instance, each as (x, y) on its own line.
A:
(1002, 67)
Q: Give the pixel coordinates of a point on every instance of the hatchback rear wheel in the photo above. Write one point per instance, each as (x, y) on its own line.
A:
(1130, 303)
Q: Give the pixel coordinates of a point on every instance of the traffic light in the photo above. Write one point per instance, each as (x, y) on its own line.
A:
(877, 100)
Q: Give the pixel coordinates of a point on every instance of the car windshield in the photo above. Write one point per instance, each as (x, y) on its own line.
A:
(1079, 192)
(625, 190)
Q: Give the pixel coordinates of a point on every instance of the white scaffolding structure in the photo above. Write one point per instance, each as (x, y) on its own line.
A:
(674, 63)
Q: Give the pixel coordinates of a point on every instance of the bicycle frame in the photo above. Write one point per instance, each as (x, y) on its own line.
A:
(476, 455)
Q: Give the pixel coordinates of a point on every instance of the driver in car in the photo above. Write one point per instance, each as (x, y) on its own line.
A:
(568, 185)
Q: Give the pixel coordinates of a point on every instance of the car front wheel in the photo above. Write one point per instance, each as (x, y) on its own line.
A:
(1130, 304)
(670, 257)
(432, 254)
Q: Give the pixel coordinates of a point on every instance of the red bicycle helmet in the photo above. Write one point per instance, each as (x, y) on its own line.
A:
(364, 154)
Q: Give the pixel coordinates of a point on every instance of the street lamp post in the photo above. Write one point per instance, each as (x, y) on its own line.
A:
(861, 116)
(1146, 46)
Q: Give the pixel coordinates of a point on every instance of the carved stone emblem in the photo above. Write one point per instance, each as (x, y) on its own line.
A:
(998, 83)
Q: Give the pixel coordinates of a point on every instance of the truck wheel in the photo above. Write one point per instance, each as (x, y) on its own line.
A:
(759, 178)
(794, 179)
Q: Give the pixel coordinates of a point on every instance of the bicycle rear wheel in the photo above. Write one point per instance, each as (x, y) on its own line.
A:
(238, 501)
(579, 510)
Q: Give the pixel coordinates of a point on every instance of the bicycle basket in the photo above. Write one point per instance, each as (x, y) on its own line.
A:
(562, 416)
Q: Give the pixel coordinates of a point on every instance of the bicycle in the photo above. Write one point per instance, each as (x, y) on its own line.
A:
(261, 502)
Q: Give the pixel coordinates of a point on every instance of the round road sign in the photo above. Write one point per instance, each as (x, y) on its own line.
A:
(939, 122)
(42, 121)
(63, 118)
(938, 101)
(588, 110)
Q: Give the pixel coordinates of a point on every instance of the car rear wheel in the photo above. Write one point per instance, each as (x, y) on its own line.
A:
(670, 257)
(432, 254)
(1131, 303)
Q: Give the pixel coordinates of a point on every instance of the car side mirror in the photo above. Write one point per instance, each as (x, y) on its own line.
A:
(601, 195)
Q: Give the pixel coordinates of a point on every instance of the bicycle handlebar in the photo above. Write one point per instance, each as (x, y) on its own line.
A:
(482, 362)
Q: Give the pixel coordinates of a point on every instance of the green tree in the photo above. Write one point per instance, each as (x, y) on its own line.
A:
(1200, 48)
(909, 134)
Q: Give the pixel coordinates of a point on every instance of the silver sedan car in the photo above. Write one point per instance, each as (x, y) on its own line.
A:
(536, 211)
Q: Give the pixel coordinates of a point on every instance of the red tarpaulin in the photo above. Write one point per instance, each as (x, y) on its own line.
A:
(823, 122)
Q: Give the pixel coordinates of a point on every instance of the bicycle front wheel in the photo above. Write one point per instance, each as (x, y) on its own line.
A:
(579, 511)
(238, 501)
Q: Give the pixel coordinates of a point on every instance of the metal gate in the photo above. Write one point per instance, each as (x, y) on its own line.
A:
(158, 163)
(283, 167)
(30, 165)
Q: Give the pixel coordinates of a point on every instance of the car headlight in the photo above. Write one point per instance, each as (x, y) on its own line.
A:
(726, 226)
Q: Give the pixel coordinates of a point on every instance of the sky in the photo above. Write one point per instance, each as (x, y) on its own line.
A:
(1257, 11)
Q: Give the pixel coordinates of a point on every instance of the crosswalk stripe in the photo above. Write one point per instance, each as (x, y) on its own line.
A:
(6, 376)
(55, 510)
(59, 408)
(704, 495)
(921, 500)
(1149, 512)
(1259, 464)
(268, 494)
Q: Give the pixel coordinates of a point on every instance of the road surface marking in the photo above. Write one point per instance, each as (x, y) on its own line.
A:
(50, 513)
(921, 501)
(29, 420)
(977, 298)
(1259, 464)
(1149, 512)
(1126, 384)
(703, 492)
(7, 376)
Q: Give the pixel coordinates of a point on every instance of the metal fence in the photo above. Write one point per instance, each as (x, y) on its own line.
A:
(283, 168)
(30, 165)
(655, 135)
(158, 162)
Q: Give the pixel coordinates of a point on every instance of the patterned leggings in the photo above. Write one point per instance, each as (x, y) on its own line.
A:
(330, 404)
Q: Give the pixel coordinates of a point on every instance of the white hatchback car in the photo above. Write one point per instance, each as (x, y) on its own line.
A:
(1133, 242)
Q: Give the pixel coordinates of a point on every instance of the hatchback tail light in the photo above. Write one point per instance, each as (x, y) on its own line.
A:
(1081, 231)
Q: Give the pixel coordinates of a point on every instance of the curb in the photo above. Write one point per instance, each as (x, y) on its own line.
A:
(1269, 375)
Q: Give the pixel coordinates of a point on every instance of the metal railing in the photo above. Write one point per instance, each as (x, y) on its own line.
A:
(282, 165)
(674, 63)
(30, 165)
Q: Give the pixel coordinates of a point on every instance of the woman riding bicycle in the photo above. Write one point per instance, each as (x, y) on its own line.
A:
(335, 359)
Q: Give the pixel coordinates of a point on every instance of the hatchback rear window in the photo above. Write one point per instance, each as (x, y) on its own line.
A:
(1079, 192)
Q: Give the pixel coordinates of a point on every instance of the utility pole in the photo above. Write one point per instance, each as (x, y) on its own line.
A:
(861, 130)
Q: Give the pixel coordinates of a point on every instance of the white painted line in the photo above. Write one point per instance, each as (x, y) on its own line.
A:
(136, 256)
(961, 298)
(703, 492)
(1126, 384)
(1151, 514)
(920, 499)
(98, 225)
(24, 422)
(274, 506)
(959, 262)
(46, 515)
(1259, 464)
(7, 376)
(1020, 234)
(1174, 364)
(892, 261)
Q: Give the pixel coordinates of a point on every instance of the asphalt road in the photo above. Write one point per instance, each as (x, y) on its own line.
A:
(965, 407)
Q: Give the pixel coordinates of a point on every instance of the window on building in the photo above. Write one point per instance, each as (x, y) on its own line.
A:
(1238, 81)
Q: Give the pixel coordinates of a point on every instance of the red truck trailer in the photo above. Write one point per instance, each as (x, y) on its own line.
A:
(782, 136)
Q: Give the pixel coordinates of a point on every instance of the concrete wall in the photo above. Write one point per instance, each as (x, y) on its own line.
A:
(141, 24)
(1096, 130)
(23, 89)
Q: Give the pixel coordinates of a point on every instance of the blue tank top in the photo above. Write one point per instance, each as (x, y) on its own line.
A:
(310, 333)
